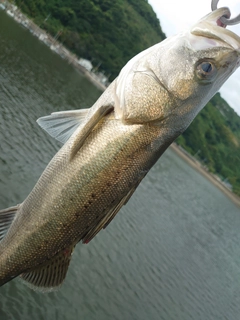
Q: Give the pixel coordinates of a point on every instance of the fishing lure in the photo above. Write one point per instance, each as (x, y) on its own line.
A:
(224, 19)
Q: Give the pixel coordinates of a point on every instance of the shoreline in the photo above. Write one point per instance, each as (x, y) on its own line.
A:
(198, 167)
(71, 58)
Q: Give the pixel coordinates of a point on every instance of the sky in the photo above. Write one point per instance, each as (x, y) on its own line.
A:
(177, 15)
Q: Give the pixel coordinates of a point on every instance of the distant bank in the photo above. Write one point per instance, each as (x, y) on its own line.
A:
(197, 166)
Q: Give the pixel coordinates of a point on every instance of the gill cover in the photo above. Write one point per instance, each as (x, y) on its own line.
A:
(139, 94)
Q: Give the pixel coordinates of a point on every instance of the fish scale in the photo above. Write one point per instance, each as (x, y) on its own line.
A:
(109, 148)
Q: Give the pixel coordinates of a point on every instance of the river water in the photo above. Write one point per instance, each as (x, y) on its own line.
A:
(171, 254)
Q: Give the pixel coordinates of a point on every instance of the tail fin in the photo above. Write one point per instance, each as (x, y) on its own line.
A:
(6, 218)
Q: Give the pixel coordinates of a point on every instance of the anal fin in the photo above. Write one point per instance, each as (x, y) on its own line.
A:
(50, 275)
(6, 218)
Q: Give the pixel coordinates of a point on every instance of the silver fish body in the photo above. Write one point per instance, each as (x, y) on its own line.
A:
(79, 193)
(111, 148)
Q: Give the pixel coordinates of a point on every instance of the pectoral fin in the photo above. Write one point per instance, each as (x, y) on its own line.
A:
(51, 275)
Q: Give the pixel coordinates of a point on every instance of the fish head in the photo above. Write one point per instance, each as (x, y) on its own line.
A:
(178, 76)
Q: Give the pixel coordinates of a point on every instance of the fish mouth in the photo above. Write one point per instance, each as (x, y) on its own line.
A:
(211, 27)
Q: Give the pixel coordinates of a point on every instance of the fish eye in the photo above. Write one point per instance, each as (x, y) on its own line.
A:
(206, 70)
(206, 67)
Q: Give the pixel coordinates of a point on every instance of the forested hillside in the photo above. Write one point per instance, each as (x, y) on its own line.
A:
(106, 32)
(109, 33)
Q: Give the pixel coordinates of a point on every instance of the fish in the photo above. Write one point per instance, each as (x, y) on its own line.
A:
(109, 148)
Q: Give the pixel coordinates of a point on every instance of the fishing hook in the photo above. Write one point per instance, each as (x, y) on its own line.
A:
(223, 19)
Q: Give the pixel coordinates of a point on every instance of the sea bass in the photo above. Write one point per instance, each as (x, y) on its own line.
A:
(109, 148)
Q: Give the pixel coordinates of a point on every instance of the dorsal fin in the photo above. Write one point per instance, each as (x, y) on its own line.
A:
(6, 218)
(61, 125)
(51, 275)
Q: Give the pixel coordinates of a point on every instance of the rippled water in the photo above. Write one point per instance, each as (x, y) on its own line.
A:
(172, 253)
